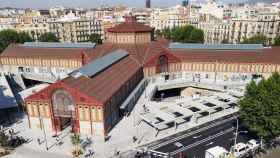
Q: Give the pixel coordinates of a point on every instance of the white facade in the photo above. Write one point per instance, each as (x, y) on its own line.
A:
(75, 29)
(169, 17)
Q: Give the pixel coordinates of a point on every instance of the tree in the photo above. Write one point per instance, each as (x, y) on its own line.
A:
(24, 37)
(76, 140)
(166, 32)
(186, 33)
(48, 37)
(225, 41)
(4, 139)
(196, 36)
(277, 41)
(11, 36)
(95, 38)
(158, 33)
(257, 39)
(260, 107)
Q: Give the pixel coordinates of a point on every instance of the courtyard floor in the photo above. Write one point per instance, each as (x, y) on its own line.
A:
(121, 137)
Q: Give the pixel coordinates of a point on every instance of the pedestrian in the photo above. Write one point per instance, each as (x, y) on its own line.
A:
(134, 139)
(39, 141)
(90, 152)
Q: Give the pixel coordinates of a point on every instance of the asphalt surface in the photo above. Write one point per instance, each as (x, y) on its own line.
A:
(194, 146)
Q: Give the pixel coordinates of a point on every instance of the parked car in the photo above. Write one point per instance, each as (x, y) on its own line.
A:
(254, 145)
(216, 152)
(240, 150)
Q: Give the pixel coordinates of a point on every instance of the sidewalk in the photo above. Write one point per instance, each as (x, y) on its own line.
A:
(273, 153)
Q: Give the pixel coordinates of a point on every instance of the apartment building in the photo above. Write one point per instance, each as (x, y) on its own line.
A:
(215, 30)
(169, 17)
(75, 29)
(265, 23)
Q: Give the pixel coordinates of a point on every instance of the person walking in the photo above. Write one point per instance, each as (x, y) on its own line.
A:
(38, 141)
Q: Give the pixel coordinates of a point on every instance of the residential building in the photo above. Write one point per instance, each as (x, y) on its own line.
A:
(169, 17)
(215, 30)
(75, 29)
(265, 23)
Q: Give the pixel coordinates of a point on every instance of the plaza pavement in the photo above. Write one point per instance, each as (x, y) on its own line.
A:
(121, 137)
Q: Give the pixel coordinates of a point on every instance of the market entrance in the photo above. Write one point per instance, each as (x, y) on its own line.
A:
(64, 110)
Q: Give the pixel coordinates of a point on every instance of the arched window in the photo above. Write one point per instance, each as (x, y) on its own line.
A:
(63, 103)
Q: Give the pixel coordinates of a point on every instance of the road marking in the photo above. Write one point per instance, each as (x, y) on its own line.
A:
(202, 141)
(191, 133)
(197, 136)
(209, 144)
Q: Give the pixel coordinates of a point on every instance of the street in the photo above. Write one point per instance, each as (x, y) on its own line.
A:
(195, 145)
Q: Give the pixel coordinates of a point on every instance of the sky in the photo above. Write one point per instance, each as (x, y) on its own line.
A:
(91, 3)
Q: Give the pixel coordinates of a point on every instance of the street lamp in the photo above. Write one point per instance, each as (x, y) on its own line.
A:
(43, 127)
(236, 132)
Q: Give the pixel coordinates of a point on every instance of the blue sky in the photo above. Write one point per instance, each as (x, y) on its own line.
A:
(87, 3)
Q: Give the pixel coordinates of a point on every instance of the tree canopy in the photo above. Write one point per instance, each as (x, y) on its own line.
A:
(260, 107)
(257, 39)
(48, 37)
(277, 41)
(11, 36)
(185, 34)
(95, 38)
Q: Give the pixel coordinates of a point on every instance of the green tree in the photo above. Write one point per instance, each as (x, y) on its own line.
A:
(257, 39)
(176, 34)
(277, 41)
(48, 37)
(186, 33)
(4, 139)
(95, 38)
(260, 107)
(158, 33)
(166, 32)
(11, 36)
(76, 140)
(24, 37)
(197, 36)
(7, 37)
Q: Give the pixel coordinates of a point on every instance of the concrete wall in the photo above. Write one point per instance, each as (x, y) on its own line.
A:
(129, 38)
(219, 68)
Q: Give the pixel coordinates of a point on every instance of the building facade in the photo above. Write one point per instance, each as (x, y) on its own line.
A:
(267, 24)
(75, 29)
(169, 17)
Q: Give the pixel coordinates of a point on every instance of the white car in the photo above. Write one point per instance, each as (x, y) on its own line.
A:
(240, 149)
(253, 145)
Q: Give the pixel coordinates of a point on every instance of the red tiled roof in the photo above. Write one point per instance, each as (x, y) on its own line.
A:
(267, 55)
(16, 50)
(103, 86)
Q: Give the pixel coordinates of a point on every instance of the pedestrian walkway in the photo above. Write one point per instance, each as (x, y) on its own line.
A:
(273, 153)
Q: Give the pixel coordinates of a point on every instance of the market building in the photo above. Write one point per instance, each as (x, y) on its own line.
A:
(90, 98)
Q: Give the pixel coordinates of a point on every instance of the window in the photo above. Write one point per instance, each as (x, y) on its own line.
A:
(20, 69)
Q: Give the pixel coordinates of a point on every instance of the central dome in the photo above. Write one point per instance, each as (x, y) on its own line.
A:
(130, 31)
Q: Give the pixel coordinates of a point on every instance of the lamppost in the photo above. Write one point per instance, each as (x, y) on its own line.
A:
(43, 127)
(236, 131)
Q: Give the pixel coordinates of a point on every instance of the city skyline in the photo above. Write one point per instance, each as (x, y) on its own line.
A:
(97, 3)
